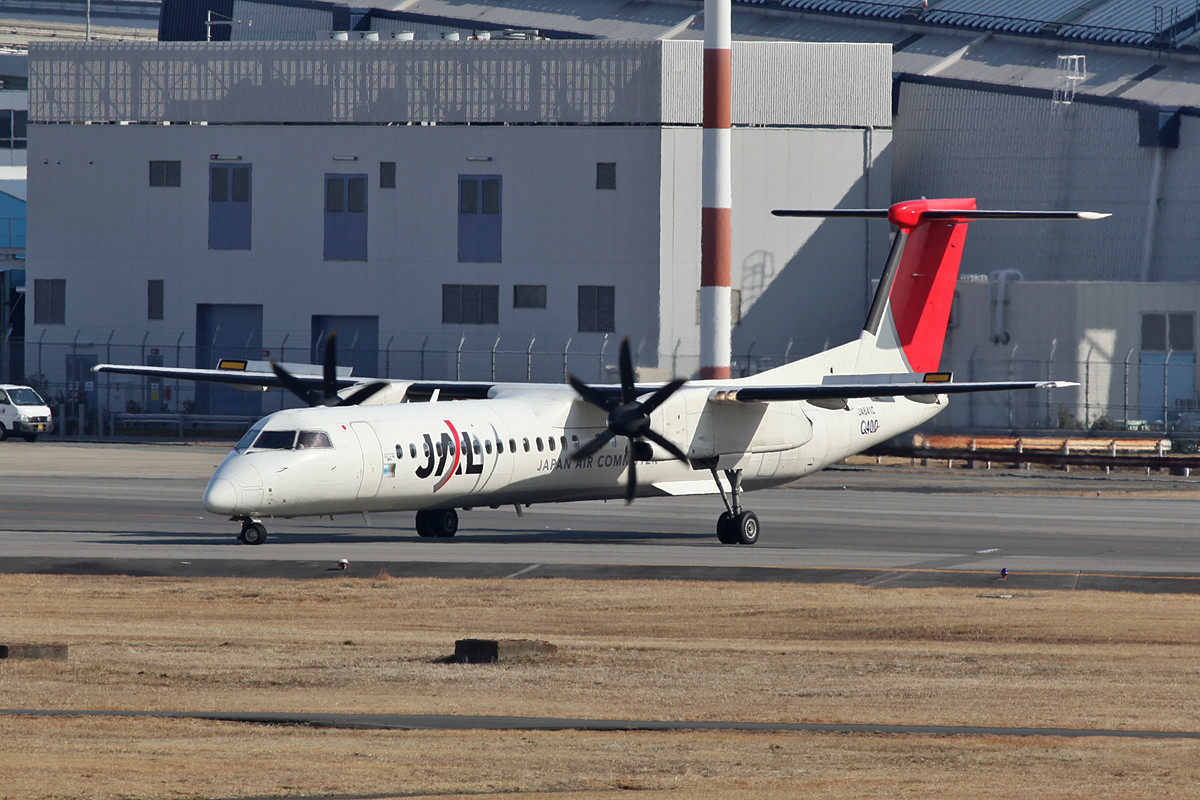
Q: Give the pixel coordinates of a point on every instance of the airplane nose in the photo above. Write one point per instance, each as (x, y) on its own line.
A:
(221, 497)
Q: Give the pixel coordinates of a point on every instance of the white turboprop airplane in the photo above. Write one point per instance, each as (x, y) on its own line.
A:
(374, 445)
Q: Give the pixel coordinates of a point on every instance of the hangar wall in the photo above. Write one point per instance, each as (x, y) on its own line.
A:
(105, 238)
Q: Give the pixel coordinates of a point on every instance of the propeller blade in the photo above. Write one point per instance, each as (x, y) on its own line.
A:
(360, 395)
(593, 396)
(628, 392)
(330, 371)
(293, 385)
(660, 396)
(665, 444)
(594, 445)
(631, 486)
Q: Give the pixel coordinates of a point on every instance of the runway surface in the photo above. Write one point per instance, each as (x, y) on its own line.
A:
(135, 509)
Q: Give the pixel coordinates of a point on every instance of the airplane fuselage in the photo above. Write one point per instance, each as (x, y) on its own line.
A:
(517, 450)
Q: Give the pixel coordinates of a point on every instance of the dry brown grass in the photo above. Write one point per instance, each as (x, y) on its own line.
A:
(646, 650)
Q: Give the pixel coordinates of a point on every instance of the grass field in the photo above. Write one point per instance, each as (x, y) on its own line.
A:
(643, 650)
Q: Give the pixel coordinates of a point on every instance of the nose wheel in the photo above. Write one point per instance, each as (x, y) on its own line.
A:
(253, 532)
(735, 526)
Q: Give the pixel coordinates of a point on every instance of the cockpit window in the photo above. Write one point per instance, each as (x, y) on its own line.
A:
(309, 440)
(275, 440)
(247, 438)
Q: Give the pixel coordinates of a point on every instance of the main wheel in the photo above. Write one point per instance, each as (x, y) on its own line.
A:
(444, 522)
(424, 527)
(725, 531)
(253, 533)
(745, 527)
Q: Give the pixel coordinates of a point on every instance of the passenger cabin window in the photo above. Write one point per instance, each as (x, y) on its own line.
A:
(550, 441)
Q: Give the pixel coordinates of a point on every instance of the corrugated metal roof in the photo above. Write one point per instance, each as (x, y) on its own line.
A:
(624, 20)
(1010, 16)
(268, 22)
(1136, 21)
(882, 9)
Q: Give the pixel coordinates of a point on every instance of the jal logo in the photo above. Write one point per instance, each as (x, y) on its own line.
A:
(868, 426)
(465, 460)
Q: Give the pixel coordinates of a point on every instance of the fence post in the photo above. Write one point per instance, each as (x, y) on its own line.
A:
(283, 359)
(566, 348)
(788, 350)
(423, 343)
(1166, 364)
(458, 358)
(675, 359)
(1087, 388)
(529, 360)
(1012, 357)
(599, 363)
(749, 355)
(1049, 368)
(494, 346)
(1125, 392)
(971, 397)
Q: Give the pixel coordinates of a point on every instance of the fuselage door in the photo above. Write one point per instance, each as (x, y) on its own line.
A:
(372, 458)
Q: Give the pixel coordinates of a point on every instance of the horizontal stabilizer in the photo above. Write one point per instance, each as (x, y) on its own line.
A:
(851, 391)
(964, 214)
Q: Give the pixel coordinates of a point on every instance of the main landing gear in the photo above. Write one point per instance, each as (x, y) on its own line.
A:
(734, 526)
(253, 531)
(437, 522)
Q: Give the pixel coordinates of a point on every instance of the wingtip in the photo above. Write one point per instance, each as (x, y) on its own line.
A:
(1094, 215)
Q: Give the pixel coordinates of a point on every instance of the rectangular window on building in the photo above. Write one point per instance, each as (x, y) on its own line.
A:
(229, 207)
(606, 175)
(165, 173)
(1163, 332)
(154, 299)
(597, 309)
(529, 296)
(479, 218)
(468, 304)
(387, 174)
(12, 129)
(49, 301)
(345, 217)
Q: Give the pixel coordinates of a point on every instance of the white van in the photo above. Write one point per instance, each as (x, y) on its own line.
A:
(24, 412)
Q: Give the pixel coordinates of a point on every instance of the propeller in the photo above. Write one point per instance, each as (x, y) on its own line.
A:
(327, 395)
(627, 417)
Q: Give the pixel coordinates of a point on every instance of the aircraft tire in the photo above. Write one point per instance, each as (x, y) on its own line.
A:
(424, 529)
(726, 534)
(253, 533)
(445, 522)
(745, 527)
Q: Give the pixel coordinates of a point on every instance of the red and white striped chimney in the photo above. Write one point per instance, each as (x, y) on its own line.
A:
(716, 230)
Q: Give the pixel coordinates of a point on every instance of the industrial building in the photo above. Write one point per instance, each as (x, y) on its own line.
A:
(586, 147)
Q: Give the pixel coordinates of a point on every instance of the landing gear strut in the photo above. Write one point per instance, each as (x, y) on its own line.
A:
(253, 532)
(734, 526)
(439, 522)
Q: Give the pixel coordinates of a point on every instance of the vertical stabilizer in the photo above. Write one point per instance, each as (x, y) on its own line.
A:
(906, 325)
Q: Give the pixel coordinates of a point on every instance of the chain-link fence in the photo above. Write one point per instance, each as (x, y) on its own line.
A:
(1140, 391)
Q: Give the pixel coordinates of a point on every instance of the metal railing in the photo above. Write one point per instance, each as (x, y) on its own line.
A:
(1133, 391)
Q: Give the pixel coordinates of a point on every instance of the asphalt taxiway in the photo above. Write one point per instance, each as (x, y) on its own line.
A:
(135, 509)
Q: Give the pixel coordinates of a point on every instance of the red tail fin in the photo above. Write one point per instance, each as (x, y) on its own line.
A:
(922, 289)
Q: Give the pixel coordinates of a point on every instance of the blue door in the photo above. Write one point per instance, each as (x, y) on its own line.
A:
(345, 217)
(229, 207)
(227, 331)
(479, 218)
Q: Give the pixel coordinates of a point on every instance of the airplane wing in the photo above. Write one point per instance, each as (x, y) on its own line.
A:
(234, 373)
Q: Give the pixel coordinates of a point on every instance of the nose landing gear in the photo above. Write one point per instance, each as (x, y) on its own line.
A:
(253, 532)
